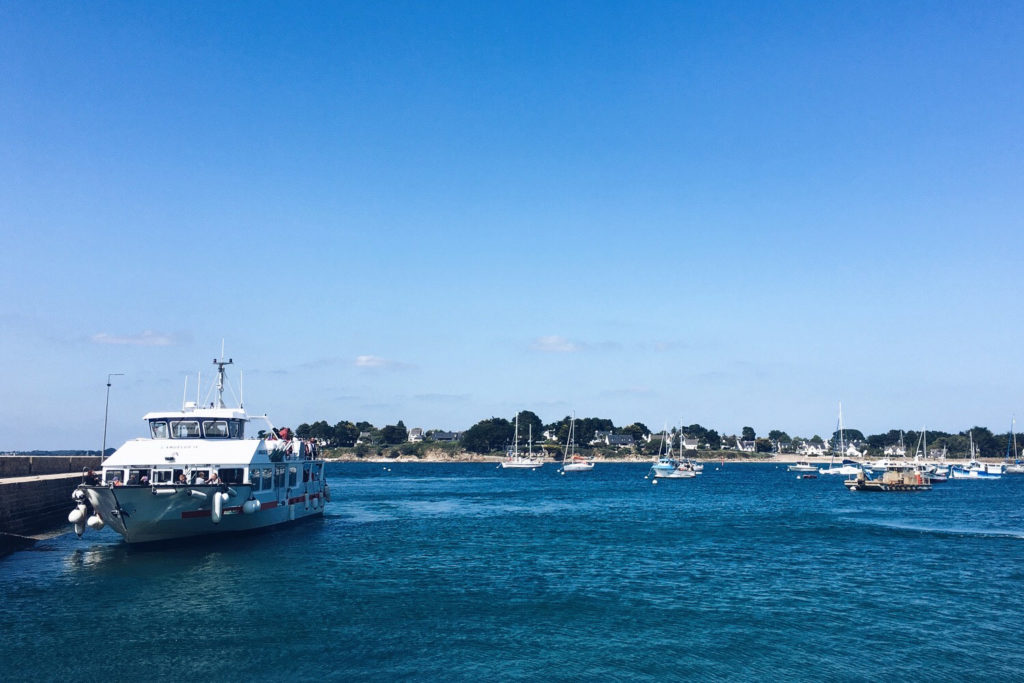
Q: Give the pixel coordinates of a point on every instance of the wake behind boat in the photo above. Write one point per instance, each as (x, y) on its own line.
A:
(197, 474)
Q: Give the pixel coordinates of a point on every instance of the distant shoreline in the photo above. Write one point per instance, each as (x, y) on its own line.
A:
(785, 459)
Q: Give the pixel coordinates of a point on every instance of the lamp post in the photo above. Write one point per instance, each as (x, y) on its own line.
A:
(106, 409)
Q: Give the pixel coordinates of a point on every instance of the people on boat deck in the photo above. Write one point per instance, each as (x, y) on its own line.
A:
(144, 480)
(181, 479)
(133, 480)
(117, 481)
(199, 478)
(90, 479)
(214, 479)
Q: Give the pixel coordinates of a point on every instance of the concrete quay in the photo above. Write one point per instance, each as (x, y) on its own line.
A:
(35, 495)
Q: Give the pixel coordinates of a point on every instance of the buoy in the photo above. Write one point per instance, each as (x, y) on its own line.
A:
(77, 516)
(562, 473)
(654, 482)
(95, 523)
(217, 509)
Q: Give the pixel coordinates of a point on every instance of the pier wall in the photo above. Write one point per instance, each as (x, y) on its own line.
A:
(35, 491)
(34, 465)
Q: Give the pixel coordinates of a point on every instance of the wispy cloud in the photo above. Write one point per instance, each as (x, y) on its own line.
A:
(147, 338)
(377, 363)
(556, 344)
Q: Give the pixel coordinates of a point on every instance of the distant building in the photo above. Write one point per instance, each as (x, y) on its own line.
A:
(690, 444)
(895, 451)
(364, 437)
(416, 435)
(746, 446)
(445, 436)
(809, 449)
(610, 439)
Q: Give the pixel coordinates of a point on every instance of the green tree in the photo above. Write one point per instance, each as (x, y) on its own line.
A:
(638, 430)
(713, 440)
(488, 435)
(779, 437)
(763, 446)
(394, 434)
(528, 421)
(345, 434)
(748, 434)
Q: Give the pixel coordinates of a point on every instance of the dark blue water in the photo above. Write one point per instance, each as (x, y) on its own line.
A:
(465, 571)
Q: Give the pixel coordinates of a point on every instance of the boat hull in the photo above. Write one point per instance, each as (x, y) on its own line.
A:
(145, 515)
(520, 464)
(578, 467)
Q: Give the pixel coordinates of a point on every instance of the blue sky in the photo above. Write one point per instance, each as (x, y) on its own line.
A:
(726, 213)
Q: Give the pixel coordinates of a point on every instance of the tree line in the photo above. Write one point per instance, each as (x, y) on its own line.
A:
(498, 433)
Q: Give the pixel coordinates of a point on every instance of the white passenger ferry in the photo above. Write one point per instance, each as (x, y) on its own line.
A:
(197, 474)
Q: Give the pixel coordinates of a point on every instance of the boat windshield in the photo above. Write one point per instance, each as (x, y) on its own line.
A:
(197, 429)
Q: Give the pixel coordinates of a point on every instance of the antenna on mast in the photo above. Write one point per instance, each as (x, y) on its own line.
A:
(184, 394)
(220, 377)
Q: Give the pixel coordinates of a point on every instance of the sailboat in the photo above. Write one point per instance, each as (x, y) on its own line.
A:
(571, 461)
(1016, 466)
(845, 468)
(513, 460)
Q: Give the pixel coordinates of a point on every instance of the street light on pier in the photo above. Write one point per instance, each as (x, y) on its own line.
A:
(106, 409)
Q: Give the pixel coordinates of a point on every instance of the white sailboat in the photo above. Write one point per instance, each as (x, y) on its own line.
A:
(1016, 465)
(513, 460)
(571, 461)
(844, 469)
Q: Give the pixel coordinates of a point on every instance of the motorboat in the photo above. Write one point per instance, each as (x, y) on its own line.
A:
(976, 470)
(197, 474)
(802, 466)
(668, 467)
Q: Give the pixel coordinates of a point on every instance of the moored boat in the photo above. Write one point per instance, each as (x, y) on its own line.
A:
(896, 478)
(198, 474)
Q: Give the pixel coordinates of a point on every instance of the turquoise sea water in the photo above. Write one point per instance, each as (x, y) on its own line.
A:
(465, 571)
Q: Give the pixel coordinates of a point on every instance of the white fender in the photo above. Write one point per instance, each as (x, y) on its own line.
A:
(316, 502)
(218, 507)
(77, 516)
(251, 506)
(198, 494)
(305, 500)
(327, 493)
(95, 523)
(79, 528)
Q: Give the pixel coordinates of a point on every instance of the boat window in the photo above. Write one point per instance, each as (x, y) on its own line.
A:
(254, 479)
(215, 429)
(236, 428)
(231, 475)
(176, 474)
(293, 476)
(158, 428)
(267, 478)
(138, 477)
(163, 477)
(110, 475)
(185, 429)
(279, 476)
(198, 475)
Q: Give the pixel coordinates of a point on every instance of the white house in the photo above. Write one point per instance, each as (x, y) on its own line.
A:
(690, 444)
(416, 434)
